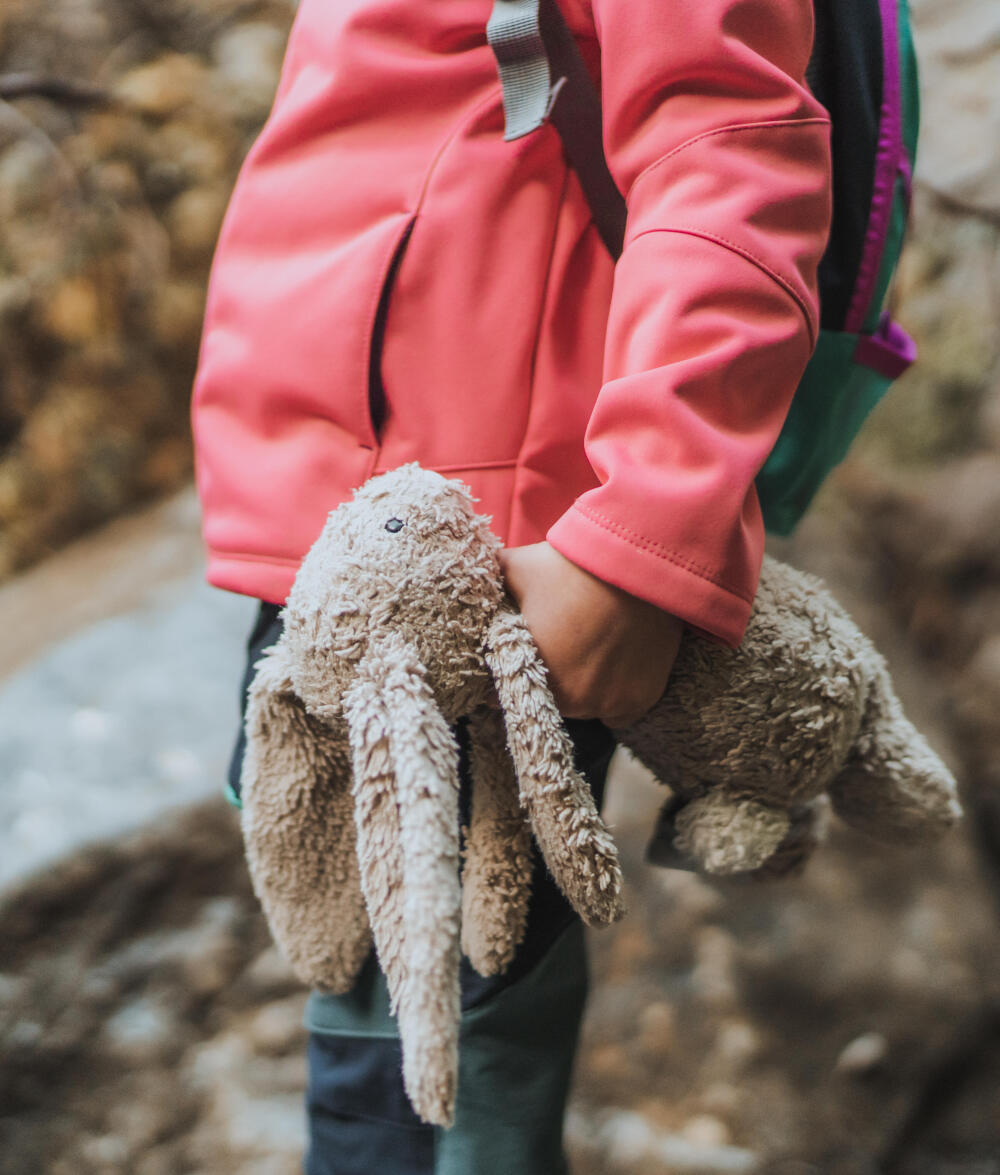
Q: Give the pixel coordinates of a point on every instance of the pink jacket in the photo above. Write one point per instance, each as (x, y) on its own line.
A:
(621, 412)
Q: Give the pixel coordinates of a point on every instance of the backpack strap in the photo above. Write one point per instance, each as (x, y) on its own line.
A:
(523, 64)
(531, 43)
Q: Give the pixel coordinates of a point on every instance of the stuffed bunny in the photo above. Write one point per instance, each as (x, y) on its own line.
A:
(396, 626)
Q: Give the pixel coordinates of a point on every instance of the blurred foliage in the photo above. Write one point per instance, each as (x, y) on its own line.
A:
(122, 126)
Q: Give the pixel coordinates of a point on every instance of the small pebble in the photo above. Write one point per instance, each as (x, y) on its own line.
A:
(863, 1054)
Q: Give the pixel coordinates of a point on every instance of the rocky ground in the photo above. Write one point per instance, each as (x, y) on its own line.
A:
(147, 1026)
(846, 1023)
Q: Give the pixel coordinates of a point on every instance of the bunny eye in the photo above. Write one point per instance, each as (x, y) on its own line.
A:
(394, 525)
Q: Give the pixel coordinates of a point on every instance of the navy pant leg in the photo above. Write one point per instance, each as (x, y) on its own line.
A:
(359, 1119)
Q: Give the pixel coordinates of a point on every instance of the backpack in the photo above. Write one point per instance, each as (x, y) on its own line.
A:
(863, 70)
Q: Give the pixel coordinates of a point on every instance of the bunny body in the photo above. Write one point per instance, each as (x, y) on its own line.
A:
(396, 626)
(755, 741)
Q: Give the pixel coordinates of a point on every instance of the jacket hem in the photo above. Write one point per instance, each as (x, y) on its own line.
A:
(658, 576)
(265, 577)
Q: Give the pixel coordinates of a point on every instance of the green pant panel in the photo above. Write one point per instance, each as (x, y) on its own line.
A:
(515, 1062)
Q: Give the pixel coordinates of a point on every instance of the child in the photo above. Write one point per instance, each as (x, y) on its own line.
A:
(394, 282)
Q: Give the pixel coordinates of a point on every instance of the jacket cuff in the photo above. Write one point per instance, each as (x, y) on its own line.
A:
(610, 552)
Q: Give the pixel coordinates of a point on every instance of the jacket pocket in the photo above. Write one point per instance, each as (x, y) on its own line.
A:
(377, 405)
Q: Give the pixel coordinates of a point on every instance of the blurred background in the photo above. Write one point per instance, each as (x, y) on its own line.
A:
(844, 1023)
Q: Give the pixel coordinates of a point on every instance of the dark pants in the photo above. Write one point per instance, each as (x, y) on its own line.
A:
(518, 1032)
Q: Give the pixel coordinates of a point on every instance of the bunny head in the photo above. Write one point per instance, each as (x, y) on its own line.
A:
(406, 559)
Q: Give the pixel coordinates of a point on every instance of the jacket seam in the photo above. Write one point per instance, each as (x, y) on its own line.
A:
(661, 552)
(246, 557)
(724, 130)
(745, 253)
(494, 96)
(473, 466)
(536, 342)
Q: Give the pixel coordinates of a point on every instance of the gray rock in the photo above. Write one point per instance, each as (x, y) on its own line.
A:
(269, 975)
(864, 1054)
(277, 1028)
(143, 1031)
(630, 1140)
(959, 52)
(120, 721)
(248, 58)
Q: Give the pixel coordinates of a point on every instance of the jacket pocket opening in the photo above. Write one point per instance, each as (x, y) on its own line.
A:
(377, 405)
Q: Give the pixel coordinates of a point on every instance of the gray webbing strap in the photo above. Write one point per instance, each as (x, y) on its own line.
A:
(531, 43)
(516, 40)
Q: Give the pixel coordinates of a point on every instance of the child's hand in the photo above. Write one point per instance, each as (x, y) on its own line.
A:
(608, 653)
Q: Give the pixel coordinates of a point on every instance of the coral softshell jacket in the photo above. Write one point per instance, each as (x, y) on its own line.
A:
(621, 412)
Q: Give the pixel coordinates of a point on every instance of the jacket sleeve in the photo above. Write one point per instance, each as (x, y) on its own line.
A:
(724, 159)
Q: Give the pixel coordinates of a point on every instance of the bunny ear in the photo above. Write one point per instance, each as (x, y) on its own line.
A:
(298, 829)
(577, 846)
(496, 881)
(409, 851)
(376, 816)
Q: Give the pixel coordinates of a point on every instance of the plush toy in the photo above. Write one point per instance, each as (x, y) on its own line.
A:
(756, 742)
(397, 626)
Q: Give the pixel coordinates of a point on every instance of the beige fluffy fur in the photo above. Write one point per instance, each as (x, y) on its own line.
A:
(397, 626)
(753, 740)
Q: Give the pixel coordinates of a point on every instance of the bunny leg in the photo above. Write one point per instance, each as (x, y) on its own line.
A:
(399, 730)
(729, 837)
(496, 881)
(298, 828)
(893, 787)
(726, 835)
(575, 842)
